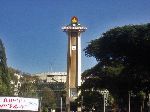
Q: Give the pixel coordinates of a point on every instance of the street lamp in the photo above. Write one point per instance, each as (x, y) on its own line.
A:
(105, 96)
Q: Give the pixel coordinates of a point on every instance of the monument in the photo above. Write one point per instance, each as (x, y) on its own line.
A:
(73, 30)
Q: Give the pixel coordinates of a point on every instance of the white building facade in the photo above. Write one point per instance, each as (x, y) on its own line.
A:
(52, 76)
(17, 84)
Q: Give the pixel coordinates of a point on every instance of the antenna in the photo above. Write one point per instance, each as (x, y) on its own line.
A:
(52, 61)
(51, 67)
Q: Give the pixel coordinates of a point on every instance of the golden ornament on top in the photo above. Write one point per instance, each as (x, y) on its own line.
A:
(74, 20)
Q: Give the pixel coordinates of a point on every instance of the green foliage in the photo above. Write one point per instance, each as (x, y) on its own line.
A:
(123, 61)
(28, 86)
(92, 100)
(11, 72)
(48, 98)
(4, 76)
(27, 89)
(122, 44)
(45, 109)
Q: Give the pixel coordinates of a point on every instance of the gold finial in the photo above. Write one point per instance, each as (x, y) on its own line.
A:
(74, 20)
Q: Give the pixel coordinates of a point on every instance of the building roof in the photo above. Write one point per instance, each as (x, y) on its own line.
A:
(52, 73)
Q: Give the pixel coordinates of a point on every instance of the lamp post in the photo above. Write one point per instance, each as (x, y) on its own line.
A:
(105, 96)
(129, 100)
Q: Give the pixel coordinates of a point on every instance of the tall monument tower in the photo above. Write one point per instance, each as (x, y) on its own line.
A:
(73, 30)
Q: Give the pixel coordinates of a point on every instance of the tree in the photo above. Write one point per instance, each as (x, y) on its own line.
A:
(123, 60)
(4, 76)
(91, 100)
(28, 86)
(48, 99)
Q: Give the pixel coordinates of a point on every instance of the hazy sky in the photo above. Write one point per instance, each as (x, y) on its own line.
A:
(32, 35)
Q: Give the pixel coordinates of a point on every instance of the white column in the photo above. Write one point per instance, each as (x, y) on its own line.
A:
(79, 60)
(61, 103)
(104, 101)
(129, 100)
(68, 59)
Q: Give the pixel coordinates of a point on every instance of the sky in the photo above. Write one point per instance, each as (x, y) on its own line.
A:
(32, 35)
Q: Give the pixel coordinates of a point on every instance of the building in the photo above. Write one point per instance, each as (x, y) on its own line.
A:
(52, 76)
(17, 83)
(56, 81)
